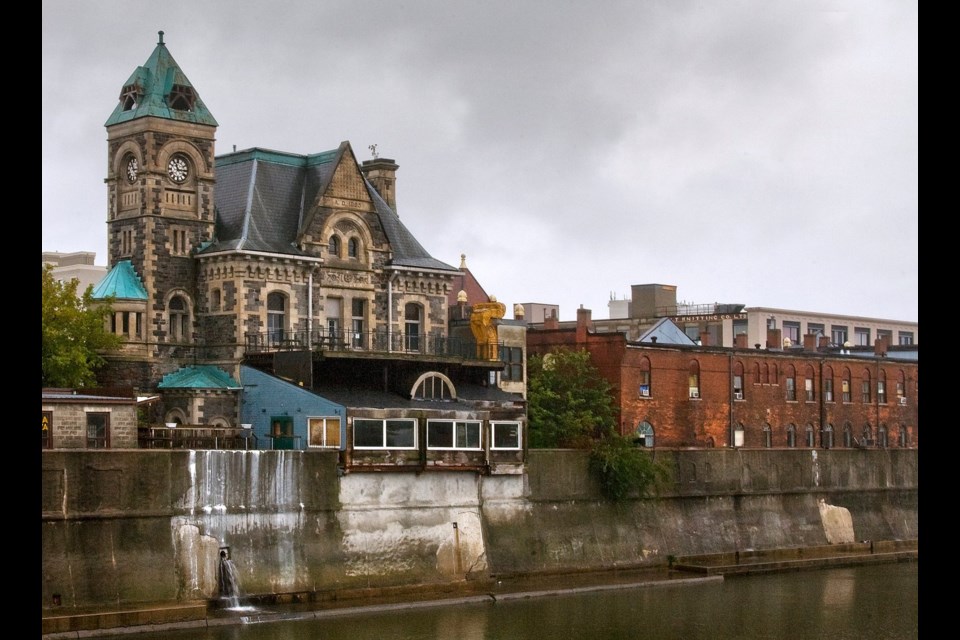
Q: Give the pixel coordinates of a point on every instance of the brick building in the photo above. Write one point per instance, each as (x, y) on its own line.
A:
(808, 396)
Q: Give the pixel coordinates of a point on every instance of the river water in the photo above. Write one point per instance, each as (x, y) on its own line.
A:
(874, 602)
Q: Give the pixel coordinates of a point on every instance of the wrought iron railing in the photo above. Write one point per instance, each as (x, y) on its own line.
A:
(369, 341)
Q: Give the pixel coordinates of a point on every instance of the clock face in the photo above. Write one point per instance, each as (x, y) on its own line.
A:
(132, 168)
(178, 169)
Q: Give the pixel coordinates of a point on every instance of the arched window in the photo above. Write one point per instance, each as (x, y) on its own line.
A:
(791, 435)
(901, 388)
(644, 435)
(826, 437)
(333, 247)
(865, 387)
(766, 373)
(810, 436)
(645, 389)
(353, 248)
(693, 380)
(179, 319)
(767, 435)
(276, 317)
(774, 374)
(738, 381)
(866, 440)
(808, 384)
(433, 386)
(756, 373)
(790, 382)
(846, 389)
(735, 436)
(847, 435)
(883, 437)
(827, 384)
(882, 387)
(903, 437)
(412, 317)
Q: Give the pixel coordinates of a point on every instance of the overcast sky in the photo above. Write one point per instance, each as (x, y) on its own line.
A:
(760, 152)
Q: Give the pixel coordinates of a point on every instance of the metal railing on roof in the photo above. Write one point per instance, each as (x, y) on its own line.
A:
(378, 341)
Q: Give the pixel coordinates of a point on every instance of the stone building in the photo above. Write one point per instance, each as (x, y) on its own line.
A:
(295, 265)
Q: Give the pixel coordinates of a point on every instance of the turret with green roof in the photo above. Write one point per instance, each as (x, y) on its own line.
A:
(160, 89)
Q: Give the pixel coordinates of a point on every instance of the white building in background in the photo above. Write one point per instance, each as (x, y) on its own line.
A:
(78, 264)
(719, 324)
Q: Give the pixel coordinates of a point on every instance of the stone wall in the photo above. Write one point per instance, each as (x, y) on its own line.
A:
(126, 527)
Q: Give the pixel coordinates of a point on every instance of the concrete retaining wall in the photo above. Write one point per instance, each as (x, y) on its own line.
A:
(128, 527)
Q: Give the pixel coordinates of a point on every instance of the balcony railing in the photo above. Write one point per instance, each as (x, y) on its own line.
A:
(196, 437)
(367, 341)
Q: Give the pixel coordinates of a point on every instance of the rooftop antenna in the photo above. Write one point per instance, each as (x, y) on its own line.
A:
(373, 150)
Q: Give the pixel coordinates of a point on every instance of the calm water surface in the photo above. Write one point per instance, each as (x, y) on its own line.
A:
(878, 602)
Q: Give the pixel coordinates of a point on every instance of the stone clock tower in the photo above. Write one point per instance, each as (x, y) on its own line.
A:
(160, 175)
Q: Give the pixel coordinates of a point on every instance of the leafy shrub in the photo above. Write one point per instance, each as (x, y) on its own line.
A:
(623, 468)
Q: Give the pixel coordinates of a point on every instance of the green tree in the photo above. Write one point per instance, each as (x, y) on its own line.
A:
(73, 333)
(569, 404)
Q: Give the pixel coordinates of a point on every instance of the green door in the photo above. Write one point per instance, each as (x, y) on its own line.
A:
(281, 430)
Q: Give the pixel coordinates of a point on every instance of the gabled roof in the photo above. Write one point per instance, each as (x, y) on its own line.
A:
(467, 283)
(199, 377)
(152, 84)
(666, 332)
(264, 199)
(121, 282)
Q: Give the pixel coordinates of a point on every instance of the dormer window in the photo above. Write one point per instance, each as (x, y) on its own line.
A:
(182, 98)
(130, 97)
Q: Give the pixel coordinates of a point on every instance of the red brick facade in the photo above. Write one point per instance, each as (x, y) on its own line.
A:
(800, 397)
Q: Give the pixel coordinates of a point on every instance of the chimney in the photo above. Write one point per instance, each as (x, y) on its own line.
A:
(740, 341)
(584, 320)
(704, 339)
(553, 322)
(810, 342)
(382, 174)
(823, 342)
(881, 345)
(774, 340)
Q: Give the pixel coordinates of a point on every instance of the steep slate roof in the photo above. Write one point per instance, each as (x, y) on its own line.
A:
(263, 198)
(154, 80)
(121, 282)
(199, 377)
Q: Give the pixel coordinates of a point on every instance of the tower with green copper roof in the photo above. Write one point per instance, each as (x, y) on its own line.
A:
(160, 206)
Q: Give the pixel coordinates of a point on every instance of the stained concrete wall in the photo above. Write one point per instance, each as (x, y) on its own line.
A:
(125, 527)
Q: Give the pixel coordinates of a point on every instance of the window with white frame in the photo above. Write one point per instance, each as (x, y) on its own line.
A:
(505, 435)
(816, 329)
(453, 434)
(828, 384)
(644, 389)
(905, 337)
(865, 395)
(644, 435)
(882, 388)
(324, 432)
(791, 330)
(395, 433)
(838, 334)
(861, 336)
(693, 380)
